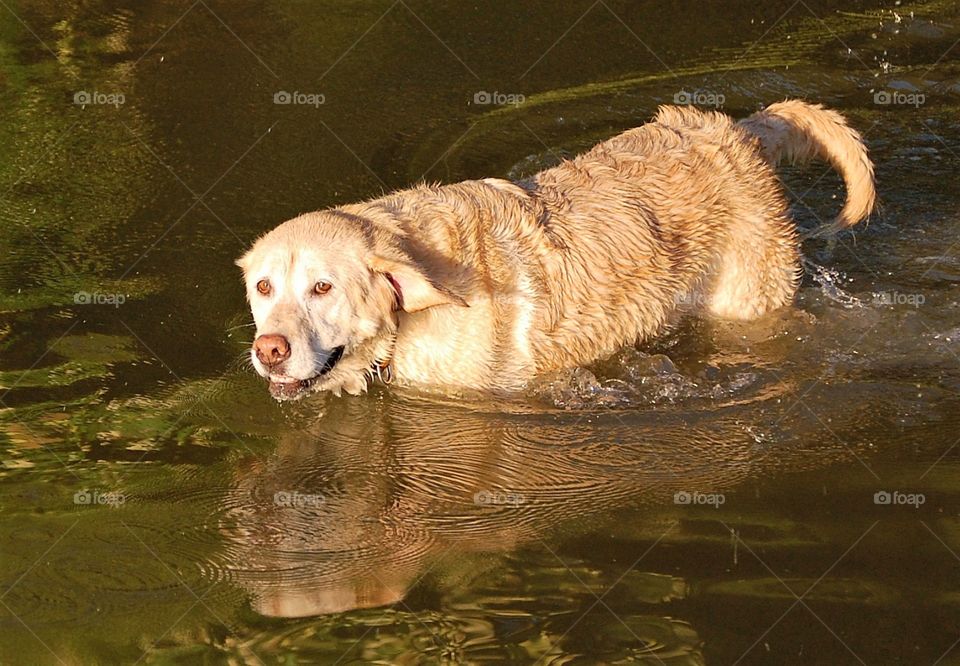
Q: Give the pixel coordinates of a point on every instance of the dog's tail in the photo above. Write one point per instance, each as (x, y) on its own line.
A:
(798, 132)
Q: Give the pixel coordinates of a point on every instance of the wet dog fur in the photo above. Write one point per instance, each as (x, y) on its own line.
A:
(485, 284)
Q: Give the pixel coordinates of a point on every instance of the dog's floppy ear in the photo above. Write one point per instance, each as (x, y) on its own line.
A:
(415, 291)
(243, 261)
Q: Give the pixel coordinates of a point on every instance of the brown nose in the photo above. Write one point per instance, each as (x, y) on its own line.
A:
(271, 349)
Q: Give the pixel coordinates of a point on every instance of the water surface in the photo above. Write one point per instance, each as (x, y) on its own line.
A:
(779, 492)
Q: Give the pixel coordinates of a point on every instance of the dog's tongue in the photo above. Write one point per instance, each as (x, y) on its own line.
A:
(283, 390)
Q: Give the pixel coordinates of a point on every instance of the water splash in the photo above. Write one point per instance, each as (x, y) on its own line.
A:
(830, 281)
(634, 378)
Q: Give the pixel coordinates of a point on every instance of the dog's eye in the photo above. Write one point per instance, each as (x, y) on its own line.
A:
(263, 287)
(321, 287)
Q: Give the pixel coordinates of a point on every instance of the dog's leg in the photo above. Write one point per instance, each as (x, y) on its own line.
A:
(757, 271)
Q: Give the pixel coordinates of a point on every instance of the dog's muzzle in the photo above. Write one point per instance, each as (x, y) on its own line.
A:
(293, 388)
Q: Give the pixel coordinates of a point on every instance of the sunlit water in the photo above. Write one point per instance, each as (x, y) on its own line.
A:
(784, 491)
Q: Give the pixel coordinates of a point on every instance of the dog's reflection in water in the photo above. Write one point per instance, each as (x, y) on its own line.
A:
(353, 512)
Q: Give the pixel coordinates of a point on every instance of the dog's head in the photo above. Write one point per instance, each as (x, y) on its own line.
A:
(325, 290)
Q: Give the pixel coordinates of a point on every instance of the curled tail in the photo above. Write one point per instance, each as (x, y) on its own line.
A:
(798, 132)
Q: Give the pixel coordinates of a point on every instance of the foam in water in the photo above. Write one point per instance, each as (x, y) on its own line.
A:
(638, 378)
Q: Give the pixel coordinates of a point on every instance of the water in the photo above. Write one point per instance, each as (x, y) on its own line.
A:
(719, 496)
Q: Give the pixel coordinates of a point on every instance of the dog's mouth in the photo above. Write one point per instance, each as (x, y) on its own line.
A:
(287, 387)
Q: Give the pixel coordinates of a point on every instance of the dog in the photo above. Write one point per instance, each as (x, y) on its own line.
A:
(484, 284)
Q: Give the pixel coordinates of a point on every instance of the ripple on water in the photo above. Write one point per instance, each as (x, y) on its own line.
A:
(417, 485)
(99, 570)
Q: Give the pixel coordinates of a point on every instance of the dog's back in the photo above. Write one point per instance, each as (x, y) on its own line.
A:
(683, 214)
(686, 213)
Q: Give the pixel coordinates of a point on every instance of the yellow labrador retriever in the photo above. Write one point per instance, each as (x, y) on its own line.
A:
(486, 283)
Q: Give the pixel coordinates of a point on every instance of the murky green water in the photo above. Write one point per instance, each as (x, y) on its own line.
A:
(711, 499)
